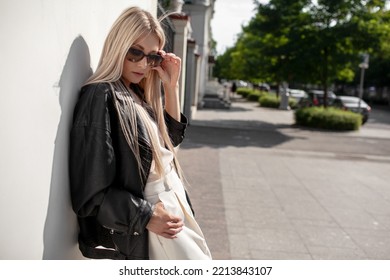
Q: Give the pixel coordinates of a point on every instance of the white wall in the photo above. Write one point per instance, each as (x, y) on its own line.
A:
(47, 50)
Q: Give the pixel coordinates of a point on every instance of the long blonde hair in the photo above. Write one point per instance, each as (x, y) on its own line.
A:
(133, 24)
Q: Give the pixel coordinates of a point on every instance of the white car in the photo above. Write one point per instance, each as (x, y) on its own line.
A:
(351, 103)
(298, 94)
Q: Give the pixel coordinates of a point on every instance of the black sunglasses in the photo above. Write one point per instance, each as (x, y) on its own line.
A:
(135, 55)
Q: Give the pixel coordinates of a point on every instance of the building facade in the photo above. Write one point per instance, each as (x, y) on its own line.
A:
(192, 41)
(201, 13)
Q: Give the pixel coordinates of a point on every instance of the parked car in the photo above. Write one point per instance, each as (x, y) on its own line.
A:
(351, 103)
(263, 86)
(316, 98)
(298, 94)
(241, 83)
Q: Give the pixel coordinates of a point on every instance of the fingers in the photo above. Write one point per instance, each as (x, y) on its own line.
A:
(165, 224)
(173, 226)
(169, 70)
(178, 223)
(170, 57)
(171, 62)
(171, 229)
(171, 233)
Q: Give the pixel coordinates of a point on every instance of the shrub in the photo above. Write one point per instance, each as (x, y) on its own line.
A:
(270, 101)
(244, 92)
(328, 118)
(273, 102)
(255, 95)
(292, 102)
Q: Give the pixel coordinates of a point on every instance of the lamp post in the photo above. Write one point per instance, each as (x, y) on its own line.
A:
(284, 94)
(363, 66)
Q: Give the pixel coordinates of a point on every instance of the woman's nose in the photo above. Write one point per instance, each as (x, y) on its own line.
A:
(143, 62)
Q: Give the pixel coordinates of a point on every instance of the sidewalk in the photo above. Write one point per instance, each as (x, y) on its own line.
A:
(257, 196)
(249, 115)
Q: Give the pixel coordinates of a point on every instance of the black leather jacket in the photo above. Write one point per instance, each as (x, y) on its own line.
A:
(106, 187)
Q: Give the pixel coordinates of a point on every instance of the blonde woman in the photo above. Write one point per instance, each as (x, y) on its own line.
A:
(125, 178)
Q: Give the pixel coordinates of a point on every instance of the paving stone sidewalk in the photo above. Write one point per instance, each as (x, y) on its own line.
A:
(256, 197)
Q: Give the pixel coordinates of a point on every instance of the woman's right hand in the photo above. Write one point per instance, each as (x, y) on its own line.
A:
(163, 223)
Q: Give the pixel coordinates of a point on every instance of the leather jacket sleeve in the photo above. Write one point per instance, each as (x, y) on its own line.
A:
(176, 130)
(94, 190)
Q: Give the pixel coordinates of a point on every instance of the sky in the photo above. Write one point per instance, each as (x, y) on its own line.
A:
(229, 16)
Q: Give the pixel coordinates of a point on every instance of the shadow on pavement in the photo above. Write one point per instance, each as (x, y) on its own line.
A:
(231, 109)
(244, 134)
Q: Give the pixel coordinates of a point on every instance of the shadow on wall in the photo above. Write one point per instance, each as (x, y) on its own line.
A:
(60, 232)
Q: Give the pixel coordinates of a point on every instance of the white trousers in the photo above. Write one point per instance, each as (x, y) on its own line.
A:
(190, 243)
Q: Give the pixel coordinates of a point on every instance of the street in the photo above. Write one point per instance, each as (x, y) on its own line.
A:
(263, 188)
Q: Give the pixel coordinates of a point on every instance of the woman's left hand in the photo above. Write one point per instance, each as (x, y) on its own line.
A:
(169, 70)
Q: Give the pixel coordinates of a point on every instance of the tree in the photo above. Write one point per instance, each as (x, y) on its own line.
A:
(338, 36)
(378, 23)
(223, 68)
(304, 41)
(267, 41)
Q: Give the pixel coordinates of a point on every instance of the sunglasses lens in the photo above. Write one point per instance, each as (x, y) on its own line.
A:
(135, 55)
(154, 60)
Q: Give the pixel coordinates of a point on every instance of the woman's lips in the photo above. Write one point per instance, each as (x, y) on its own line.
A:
(138, 74)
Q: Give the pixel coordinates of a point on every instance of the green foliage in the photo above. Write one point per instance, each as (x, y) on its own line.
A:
(328, 118)
(255, 95)
(250, 94)
(270, 101)
(378, 73)
(292, 102)
(223, 66)
(316, 42)
(244, 92)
